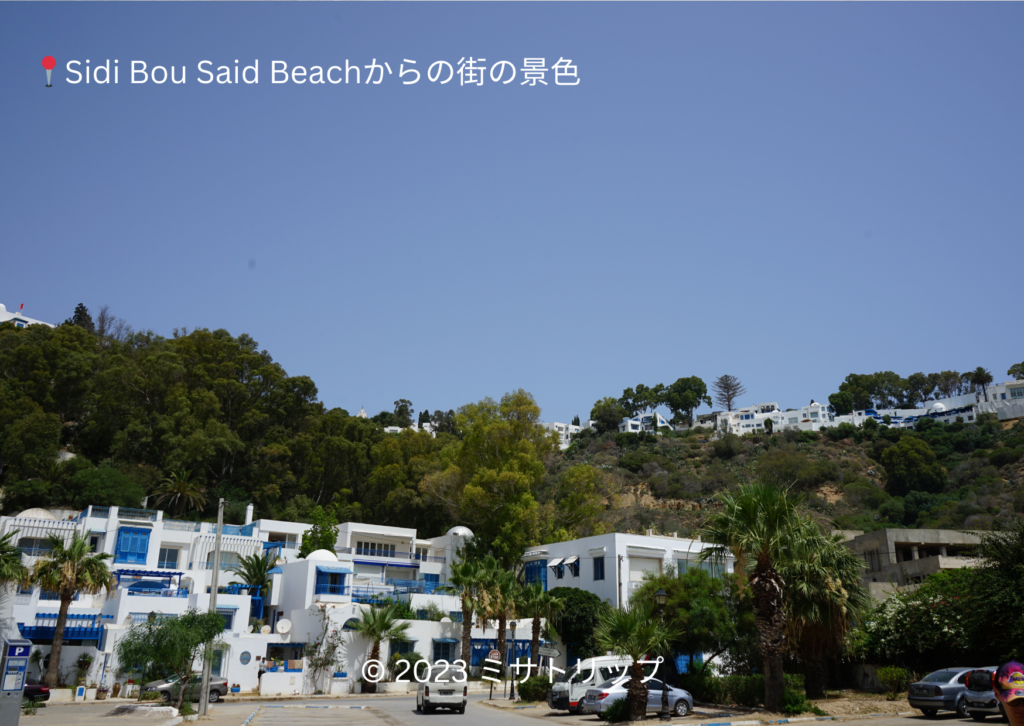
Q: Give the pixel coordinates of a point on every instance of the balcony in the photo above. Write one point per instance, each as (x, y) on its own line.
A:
(178, 526)
(147, 515)
(362, 551)
(35, 551)
(157, 593)
(324, 588)
(414, 586)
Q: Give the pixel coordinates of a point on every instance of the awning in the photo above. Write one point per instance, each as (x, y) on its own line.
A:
(334, 569)
(163, 574)
(555, 562)
(275, 571)
(227, 607)
(446, 640)
(570, 560)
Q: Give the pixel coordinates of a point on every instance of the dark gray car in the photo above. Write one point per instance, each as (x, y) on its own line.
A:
(943, 690)
(169, 688)
(981, 699)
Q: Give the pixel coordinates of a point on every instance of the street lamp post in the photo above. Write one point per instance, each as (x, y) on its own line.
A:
(661, 597)
(512, 690)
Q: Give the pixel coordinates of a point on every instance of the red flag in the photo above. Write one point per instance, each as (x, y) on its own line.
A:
(22, 307)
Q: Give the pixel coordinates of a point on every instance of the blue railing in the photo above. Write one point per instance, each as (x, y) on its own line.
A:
(46, 632)
(35, 551)
(158, 593)
(99, 512)
(167, 565)
(129, 513)
(180, 526)
(393, 555)
(209, 565)
(324, 588)
(414, 586)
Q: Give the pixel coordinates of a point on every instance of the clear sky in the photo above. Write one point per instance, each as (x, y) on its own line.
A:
(785, 192)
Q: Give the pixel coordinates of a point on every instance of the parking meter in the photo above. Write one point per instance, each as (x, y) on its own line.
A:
(14, 668)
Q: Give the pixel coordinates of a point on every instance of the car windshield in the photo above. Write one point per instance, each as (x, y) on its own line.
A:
(446, 674)
(938, 677)
(608, 684)
(171, 679)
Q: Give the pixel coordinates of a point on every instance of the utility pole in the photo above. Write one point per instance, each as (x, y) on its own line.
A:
(204, 694)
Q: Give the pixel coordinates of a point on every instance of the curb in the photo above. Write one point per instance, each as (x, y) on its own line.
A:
(252, 715)
(173, 722)
(344, 707)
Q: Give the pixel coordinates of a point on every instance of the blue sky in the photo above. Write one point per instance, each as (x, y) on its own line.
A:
(784, 192)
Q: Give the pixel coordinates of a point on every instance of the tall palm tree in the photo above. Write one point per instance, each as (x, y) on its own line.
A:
(465, 581)
(378, 624)
(759, 525)
(824, 597)
(180, 492)
(69, 568)
(12, 571)
(535, 603)
(254, 570)
(982, 378)
(505, 602)
(635, 633)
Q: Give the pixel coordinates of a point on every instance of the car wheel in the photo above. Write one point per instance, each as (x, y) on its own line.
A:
(165, 696)
(214, 695)
(462, 708)
(961, 708)
(978, 716)
(428, 708)
(682, 708)
(929, 712)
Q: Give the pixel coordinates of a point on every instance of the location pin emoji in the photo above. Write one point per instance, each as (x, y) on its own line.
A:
(49, 62)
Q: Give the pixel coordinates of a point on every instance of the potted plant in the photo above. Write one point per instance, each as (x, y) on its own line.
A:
(101, 693)
(236, 688)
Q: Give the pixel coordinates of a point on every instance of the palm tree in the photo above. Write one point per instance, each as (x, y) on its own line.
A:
(68, 569)
(981, 378)
(536, 603)
(759, 525)
(254, 570)
(12, 571)
(824, 597)
(505, 602)
(379, 624)
(465, 581)
(180, 492)
(635, 633)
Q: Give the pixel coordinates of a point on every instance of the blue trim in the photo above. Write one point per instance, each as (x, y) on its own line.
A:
(383, 564)
(446, 640)
(334, 569)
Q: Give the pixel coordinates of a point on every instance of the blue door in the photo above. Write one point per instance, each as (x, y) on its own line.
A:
(132, 545)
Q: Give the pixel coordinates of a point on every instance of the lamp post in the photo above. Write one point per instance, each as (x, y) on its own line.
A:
(661, 597)
(512, 690)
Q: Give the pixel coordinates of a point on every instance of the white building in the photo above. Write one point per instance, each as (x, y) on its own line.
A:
(644, 422)
(19, 320)
(565, 432)
(612, 566)
(163, 567)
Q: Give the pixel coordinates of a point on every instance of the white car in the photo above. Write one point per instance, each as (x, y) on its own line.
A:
(569, 689)
(597, 700)
(445, 686)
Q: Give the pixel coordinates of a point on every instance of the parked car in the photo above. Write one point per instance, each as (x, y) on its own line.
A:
(570, 688)
(445, 686)
(597, 700)
(981, 699)
(943, 690)
(169, 687)
(36, 691)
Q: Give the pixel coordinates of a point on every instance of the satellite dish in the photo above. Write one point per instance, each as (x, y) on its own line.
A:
(248, 628)
(284, 625)
(265, 630)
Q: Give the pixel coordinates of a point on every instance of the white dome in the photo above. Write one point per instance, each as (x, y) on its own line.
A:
(322, 555)
(461, 531)
(939, 407)
(36, 513)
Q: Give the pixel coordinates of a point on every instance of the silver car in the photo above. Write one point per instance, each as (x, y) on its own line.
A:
(598, 699)
(981, 700)
(943, 690)
(171, 686)
(444, 687)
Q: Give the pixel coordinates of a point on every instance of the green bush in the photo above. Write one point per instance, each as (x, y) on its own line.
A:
(618, 711)
(745, 691)
(1003, 456)
(534, 689)
(727, 447)
(29, 707)
(895, 681)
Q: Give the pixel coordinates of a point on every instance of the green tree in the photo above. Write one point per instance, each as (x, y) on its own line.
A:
(760, 526)
(910, 465)
(254, 570)
(29, 444)
(12, 571)
(727, 389)
(918, 388)
(82, 318)
(69, 568)
(635, 633)
(861, 390)
(378, 624)
(607, 414)
(466, 580)
(103, 485)
(824, 598)
(180, 492)
(683, 397)
(536, 604)
(1016, 372)
(323, 535)
(576, 420)
(577, 619)
(163, 644)
(842, 402)
(403, 413)
(982, 378)
(710, 614)
(578, 502)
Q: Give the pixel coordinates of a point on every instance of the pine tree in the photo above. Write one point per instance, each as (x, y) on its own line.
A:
(82, 318)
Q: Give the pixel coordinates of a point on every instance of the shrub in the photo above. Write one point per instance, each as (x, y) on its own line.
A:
(618, 711)
(894, 679)
(1003, 456)
(29, 707)
(150, 696)
(727, 447)
(395, 670)
(534, 689)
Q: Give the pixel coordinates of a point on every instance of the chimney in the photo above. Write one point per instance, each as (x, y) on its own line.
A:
(248, 513)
